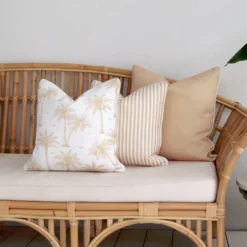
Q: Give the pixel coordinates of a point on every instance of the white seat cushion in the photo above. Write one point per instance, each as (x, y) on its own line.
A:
(178, 182)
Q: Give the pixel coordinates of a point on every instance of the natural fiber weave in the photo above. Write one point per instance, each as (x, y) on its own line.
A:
(18, 120)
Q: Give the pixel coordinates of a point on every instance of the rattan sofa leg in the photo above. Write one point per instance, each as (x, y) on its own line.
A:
(73, 233)
(221, 232)
(199, 228)
(51, 227)
(209, 234)
(62, 233)
(41, 222)
(86, 235)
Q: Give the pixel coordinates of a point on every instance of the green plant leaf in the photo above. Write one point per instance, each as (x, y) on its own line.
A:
(241, 55)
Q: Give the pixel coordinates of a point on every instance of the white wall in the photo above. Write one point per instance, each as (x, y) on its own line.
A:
(176, 38)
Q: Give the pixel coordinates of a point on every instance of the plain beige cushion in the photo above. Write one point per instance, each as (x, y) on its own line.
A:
(177, 182)
(189, 113)
(142, 77)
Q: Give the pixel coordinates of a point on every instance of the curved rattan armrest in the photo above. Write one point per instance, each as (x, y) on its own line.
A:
(229, 147)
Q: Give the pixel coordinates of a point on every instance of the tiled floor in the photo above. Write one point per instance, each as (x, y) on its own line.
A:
(26, 237)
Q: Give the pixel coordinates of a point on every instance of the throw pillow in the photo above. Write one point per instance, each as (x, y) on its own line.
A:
(140, 125)
(76, 135)
(189, 114)
(142, 77)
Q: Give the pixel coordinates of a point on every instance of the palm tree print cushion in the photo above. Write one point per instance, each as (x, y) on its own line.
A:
(76, 135)
(140, 125)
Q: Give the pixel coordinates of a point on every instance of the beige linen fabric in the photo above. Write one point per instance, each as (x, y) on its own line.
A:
(140, 117)
(137, 184)
(188, 114)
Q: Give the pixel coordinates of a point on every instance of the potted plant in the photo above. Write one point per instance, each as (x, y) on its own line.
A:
(241, 55)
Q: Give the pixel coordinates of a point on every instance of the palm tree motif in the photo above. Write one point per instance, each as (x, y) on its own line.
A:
(99, 104)
(101, 149)
(78, 124)
(94, 168)
(45, 93)
(47, 140)
(68, 160)
(64, 112)
(112, 84)
(33, 165)
(112, 137)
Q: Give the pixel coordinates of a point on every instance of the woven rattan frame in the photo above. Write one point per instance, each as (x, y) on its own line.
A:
(17, 134)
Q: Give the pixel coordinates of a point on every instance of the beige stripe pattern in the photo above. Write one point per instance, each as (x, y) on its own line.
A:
(140, 125)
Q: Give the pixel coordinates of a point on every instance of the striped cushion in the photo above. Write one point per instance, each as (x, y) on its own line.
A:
(140, 125)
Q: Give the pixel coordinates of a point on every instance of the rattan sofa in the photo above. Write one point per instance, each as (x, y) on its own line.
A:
(100, 219)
